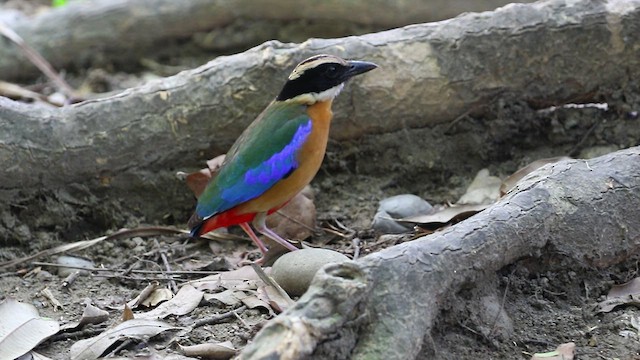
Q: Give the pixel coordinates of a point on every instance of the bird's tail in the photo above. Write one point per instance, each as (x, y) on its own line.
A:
(195, 223)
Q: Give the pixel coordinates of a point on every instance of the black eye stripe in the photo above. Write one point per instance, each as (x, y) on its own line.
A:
(314, 80)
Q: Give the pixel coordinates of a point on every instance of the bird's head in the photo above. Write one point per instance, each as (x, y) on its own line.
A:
(321, 78)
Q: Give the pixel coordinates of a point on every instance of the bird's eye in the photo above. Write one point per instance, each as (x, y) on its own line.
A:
(331, 72)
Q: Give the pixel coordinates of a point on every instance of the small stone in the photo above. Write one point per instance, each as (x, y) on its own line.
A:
(384, 223)
(295, 270)
(75, 262)
(405, 205)
(397, 207)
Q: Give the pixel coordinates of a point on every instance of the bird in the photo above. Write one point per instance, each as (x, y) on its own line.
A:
(278, 154)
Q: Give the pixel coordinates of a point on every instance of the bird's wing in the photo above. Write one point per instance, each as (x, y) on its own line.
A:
(264, 154)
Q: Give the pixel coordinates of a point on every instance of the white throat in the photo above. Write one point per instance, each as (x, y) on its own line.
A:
(312, 98)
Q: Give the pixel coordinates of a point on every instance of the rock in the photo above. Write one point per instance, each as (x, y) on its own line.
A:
(73, 261)
(396, 207)
(295, 270)
(384, 223)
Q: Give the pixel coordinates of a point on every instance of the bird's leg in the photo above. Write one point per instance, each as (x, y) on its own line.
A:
(259, 222)
(254, 237)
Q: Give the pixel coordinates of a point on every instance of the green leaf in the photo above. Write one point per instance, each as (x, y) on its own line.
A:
(58, 3)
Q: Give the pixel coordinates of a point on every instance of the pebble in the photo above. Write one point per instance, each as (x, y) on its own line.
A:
(72, 261)
(294, 271)
(396, 207)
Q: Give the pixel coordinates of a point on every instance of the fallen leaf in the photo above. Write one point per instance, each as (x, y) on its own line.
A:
(21, 328)
(127, 313)
(484, 189)
(562, 352)
(274, 298)
(217, 351)
(185, 301)
(154, 356)
(252, 302)
(297, 219)
(446, 215)
(90, 315)
(623, 294)
(510, 182)
(157, 296)
(92, 348)
(197, 181)
(135, 302)
(244, 278)
(629, 288)
(227, 297)
(32, 355)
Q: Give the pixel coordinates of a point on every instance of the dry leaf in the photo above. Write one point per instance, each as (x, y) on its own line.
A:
(49, 295)
(32, 355)
(629, 288)
(216, 351)
(134, 303)
(484, 189)
(274, 298)
(243, 278)
(90, 315)
(562, 352)
(157, 296)
(197, 181)
(227, 297)
(252, 302)
(21, 328)
(624, 294)
(127, 313)
(185, 301)
(92, 348)
(510, 182)
(446, 215)
(297, 219)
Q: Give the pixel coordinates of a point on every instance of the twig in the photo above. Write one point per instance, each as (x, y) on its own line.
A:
(504, 298)
(132, 278)
(163, 256)
(49, 295)
(39, 61)
(244, 323)
(356, 248)
(69, 280)
(217, 318)
(79, 245)
(574, 151)
(279, 212)
(123, 345)
(16, 91)
(86, 333)
(269, 281)
(173, 272)
(464, 115)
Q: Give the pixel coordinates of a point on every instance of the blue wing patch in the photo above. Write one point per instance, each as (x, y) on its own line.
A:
(261, 178)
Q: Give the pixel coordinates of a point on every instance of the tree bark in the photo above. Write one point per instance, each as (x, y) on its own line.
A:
(128, 146)
(384, 305)
(121, 32)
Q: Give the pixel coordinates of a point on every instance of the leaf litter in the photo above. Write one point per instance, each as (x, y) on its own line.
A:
(624, 294)
(94, 347)
(22, 328)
